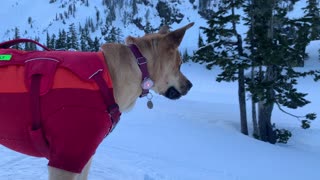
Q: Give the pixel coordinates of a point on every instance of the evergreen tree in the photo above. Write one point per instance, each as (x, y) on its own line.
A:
(16, 36)
(111, 34)
(148, 28)
(98, 16)
(185, 56)
(61, 42)
(168, 14)
(72, 38)
(312, 15)
(272, 46)
(85, 40)
(48, 41)
(111, 15)
(275, 44)
(224, 48)
(96, 44)
(134, 7)
(30, 22)
(53, 41)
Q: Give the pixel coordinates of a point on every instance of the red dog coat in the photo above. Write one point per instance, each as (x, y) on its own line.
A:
(71, 105)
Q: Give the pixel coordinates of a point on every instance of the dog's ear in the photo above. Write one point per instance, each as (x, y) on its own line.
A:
(174, 38)
(130, 40)
(164, 29)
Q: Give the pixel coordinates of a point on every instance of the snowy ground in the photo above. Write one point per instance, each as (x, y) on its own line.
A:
(195, 138)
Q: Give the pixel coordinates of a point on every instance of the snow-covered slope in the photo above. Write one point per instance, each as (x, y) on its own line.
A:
(34, 19)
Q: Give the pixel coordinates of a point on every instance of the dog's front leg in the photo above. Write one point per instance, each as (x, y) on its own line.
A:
(85, 172)
(59, 174)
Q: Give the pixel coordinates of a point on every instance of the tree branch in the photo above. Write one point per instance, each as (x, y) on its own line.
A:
(281, 109)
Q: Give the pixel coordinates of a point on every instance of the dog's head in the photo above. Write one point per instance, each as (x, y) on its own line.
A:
(164, 61)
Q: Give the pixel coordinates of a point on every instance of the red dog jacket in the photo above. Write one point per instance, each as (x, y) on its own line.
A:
(55, 104)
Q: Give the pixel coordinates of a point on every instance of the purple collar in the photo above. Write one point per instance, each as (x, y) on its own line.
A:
(146, 82)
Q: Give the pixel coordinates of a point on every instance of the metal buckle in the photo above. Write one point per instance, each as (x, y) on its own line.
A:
(143, 62)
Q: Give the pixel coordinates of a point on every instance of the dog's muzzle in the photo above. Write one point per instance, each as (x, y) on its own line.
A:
(173, 93)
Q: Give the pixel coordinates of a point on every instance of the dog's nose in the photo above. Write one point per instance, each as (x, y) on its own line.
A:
(172, 93)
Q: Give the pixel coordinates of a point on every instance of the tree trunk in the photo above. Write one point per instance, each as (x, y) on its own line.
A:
(265, 109)
(242, 102)
(256, 132)
(241, 79)
(265, 127)
(254, 110)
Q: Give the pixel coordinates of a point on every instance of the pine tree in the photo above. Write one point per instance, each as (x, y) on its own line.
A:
(148, 28)
(86, 42)
(96, 44)
(72, 38)
(83, 39)
(17, 36)
(273, 46)
(48, 41)
(53, 41)
(185, 56)
(98, 16)
(312, 15)
(134, 7)
(111, 34)
(224, 48)
(61, 42)
(111, 15)
(30, 22)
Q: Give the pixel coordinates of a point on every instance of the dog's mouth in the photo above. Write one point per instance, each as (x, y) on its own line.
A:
(172, 93)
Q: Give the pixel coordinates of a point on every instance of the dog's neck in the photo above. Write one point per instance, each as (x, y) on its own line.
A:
(146, 82)
(125, 74)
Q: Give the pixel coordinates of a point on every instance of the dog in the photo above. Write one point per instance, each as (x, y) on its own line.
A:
(148, 62)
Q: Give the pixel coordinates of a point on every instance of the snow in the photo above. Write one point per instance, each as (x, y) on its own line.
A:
(195, 138)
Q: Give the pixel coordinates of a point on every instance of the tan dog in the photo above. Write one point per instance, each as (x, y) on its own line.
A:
(163, 63)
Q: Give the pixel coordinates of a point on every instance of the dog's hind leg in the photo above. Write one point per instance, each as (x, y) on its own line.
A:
(85, 172)
(59, 174)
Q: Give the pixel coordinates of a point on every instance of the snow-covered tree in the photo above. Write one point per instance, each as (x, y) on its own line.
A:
(312, 15)
(72, 37)
(224, 48)
(275, 45)
(275, 51)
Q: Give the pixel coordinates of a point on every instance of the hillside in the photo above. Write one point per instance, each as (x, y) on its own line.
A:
(40, 18)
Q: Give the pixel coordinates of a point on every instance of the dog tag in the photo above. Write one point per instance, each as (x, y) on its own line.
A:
(150, 104)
